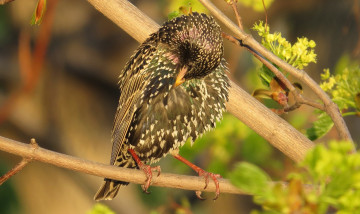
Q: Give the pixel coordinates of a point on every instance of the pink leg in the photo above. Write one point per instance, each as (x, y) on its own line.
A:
(203, 173)
(146, 168)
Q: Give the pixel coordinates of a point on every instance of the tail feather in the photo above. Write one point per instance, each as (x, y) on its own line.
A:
(108, 190)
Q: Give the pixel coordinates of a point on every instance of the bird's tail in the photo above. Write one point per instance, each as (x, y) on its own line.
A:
(108, 190)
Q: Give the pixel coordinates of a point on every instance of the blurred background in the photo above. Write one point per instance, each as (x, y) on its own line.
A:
(58, 84)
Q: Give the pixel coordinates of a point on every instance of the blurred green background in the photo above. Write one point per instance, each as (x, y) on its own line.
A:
(70, 104)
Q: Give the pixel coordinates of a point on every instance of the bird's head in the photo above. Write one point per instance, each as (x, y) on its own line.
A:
(195, 42)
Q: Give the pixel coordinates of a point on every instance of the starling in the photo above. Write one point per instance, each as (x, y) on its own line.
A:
(173, 88)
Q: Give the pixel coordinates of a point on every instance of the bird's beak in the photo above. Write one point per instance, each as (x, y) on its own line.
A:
(180, 77)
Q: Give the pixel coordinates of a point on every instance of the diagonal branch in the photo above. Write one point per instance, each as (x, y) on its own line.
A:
(18, 166)
(14, 170)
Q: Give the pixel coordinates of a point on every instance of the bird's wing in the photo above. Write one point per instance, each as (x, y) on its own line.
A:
(132, 82)
(131, 92)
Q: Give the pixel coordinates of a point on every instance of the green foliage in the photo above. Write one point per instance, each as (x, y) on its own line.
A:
(335, 170)
(344, 85)
(100, 209)
(298, 55)
(344, 89)
(328, 179)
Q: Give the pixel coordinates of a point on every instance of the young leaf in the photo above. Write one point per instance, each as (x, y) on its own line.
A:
(39, 13)
(250, 178)
(320, 127)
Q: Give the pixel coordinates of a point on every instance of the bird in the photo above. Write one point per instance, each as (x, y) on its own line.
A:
(173, 88)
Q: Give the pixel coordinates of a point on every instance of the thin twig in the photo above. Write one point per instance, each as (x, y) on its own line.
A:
(14, 170)
(266, 15)
(18, 166)
(238, 17)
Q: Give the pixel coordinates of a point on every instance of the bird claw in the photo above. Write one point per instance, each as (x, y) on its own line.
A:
(146, 169)
(198, 195)
(203, 173)
(148, 172)
(214, 177)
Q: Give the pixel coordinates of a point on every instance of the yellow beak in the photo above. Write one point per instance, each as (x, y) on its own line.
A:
(180, 77)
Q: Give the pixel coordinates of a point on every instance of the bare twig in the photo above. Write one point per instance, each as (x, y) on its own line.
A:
(14, 170)
(18, 166)
(330, 107)
(266, 15)
(238, 17)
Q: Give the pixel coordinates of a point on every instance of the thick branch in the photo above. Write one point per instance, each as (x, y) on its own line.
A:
(242, 105)
(104, 170)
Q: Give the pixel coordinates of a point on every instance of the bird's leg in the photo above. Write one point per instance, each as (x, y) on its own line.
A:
(203, 173)
(146, 168)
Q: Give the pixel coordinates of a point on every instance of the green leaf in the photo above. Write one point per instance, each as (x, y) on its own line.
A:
(320, 127)
(266, 75)
(250, 179)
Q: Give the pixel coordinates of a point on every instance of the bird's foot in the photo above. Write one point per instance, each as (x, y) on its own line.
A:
(148, 172)
(204, 174)
(146, 169)
(214, 177)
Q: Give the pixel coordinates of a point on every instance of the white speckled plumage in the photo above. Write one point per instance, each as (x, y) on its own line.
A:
(153, 117)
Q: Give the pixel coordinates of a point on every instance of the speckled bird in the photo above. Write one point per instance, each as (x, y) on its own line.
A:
(173, 88)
